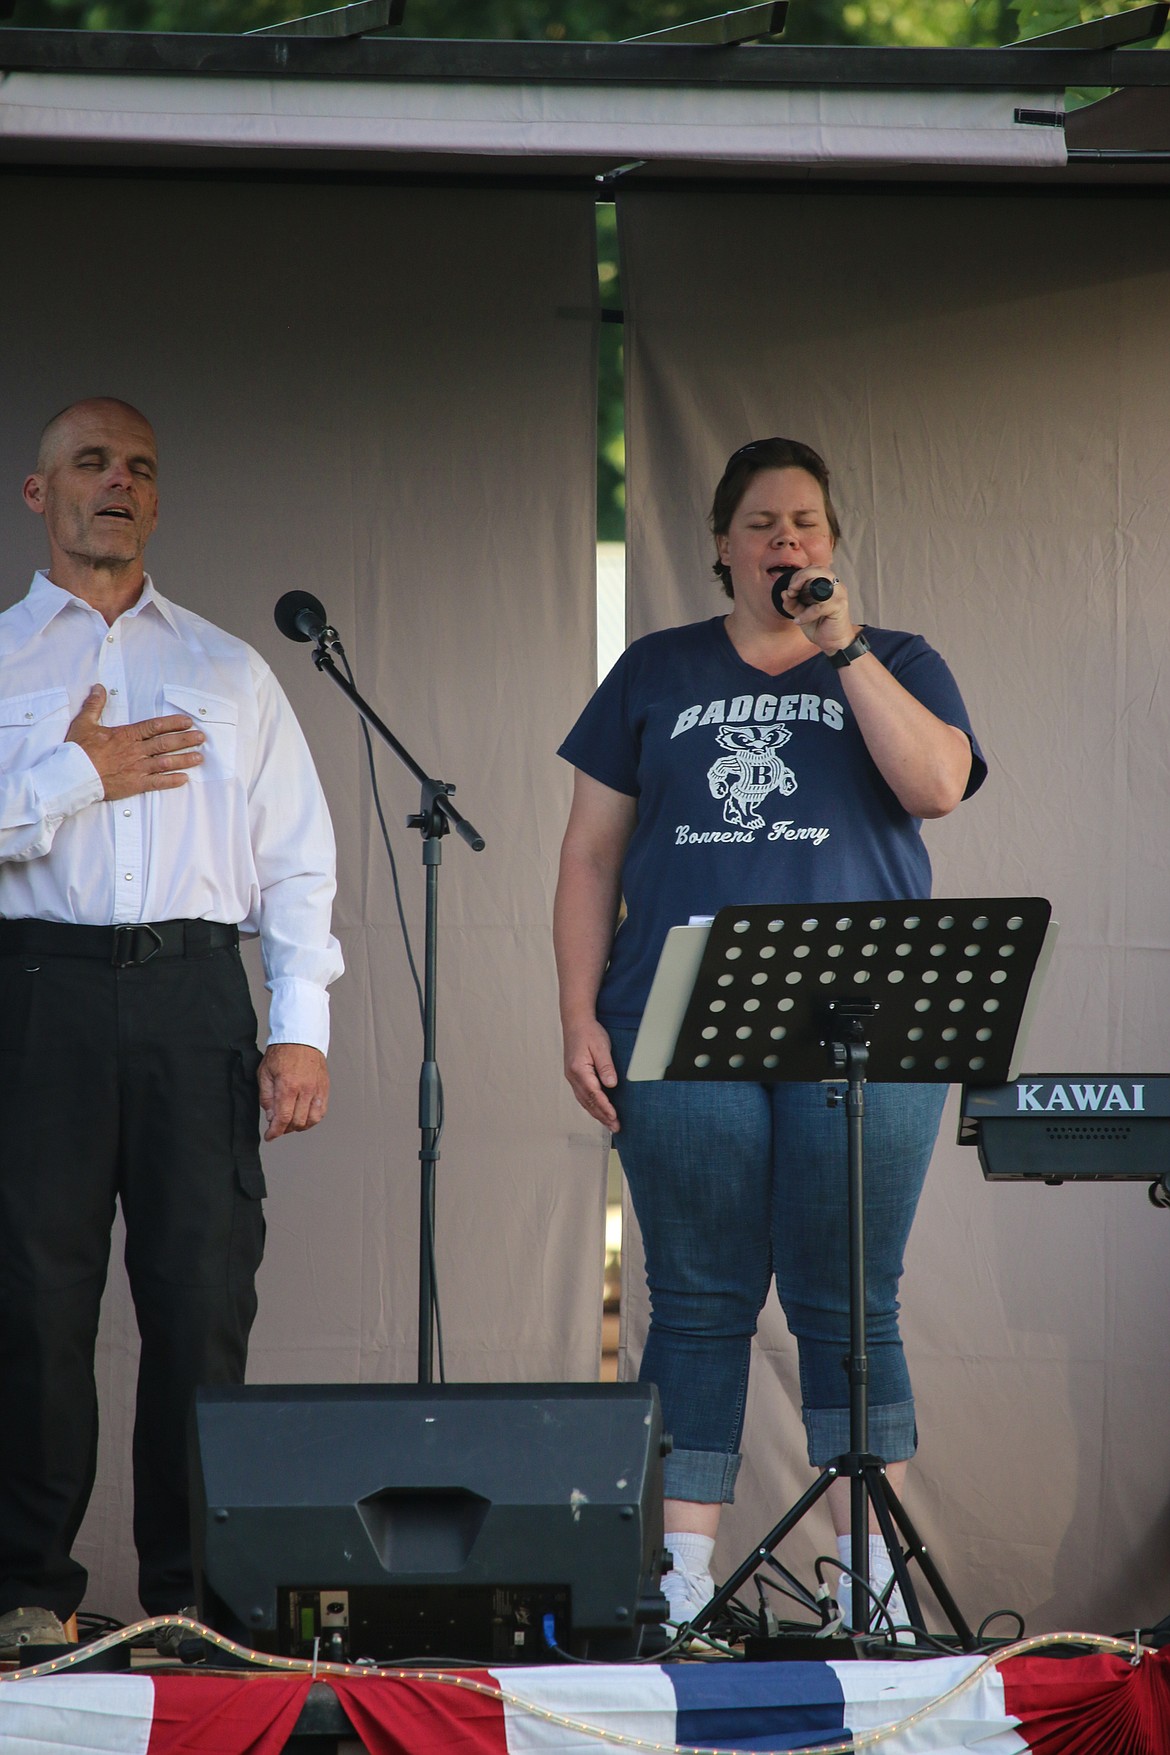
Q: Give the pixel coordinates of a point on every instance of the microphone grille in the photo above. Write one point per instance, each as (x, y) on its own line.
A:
(289, 607)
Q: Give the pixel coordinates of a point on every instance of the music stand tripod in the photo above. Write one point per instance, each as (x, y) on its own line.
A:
(925, 991)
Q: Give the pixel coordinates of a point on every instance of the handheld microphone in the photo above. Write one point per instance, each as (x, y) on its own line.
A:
(301, 616)
(815, 591)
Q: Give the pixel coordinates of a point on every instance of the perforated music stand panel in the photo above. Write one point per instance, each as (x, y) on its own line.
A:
(949, 980)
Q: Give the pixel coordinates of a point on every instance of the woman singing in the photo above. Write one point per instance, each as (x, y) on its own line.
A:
(762, 756)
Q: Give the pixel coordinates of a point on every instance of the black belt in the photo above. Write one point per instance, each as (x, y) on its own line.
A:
(123, 947)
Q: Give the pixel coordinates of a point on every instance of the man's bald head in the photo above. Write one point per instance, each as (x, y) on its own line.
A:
(96, 486)
(58, 431)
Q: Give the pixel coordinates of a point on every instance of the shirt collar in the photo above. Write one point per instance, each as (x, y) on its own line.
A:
(46, 601)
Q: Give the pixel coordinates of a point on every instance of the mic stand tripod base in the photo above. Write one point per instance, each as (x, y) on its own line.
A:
(869, 1472)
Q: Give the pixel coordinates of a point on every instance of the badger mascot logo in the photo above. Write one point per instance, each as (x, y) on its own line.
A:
(744, 778)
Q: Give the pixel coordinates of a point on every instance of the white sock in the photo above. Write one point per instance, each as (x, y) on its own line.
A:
(881, 1567)
(692, 1552)
(688, 1584)
(881, 1570)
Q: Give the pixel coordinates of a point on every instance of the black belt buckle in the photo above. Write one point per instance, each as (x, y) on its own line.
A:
(129, 951)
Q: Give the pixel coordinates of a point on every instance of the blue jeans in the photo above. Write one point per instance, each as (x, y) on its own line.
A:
(733, 1183)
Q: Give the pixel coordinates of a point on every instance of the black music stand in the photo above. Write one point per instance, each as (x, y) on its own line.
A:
(923, 991)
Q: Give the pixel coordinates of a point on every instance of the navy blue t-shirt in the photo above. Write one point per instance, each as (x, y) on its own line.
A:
(750, 788)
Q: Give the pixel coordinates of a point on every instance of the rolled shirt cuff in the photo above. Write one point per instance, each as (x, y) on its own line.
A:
(298, 1012)
(893, 1432)
(704, 1477)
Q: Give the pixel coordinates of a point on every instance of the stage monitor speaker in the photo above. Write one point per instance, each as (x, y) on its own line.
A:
(466, 1521)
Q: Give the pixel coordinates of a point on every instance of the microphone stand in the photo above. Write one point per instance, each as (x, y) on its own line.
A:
(436, 815)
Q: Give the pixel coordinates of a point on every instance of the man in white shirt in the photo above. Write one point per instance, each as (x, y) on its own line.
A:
(157, 799)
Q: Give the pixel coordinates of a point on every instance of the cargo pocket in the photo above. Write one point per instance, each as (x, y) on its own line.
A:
(246, 1123)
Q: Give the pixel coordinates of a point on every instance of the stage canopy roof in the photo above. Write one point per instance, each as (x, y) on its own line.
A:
(322, 94)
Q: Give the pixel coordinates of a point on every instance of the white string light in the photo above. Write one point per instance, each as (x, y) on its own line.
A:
(494, 1691)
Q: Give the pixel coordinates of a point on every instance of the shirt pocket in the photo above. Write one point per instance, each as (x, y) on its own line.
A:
(31, 726)
(217, 719)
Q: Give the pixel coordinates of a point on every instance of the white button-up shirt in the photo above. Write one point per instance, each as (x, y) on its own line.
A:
(246, 840)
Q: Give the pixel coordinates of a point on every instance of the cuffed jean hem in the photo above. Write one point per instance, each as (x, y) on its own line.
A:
(704, 1477)
(893, 1433)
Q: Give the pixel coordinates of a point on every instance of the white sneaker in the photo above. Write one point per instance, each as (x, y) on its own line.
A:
(686, 1592)
(881, 1572)
(895, 1608)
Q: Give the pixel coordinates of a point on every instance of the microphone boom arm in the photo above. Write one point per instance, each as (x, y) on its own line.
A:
(438, 814)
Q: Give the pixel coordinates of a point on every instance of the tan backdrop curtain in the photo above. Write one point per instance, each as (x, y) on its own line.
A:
(984, 375)
(384, 397)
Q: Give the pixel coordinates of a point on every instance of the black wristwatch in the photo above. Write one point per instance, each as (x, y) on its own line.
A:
(850, 654)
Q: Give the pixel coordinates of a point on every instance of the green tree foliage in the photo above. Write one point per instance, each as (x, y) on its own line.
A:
(941, 24)
(611, 422)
